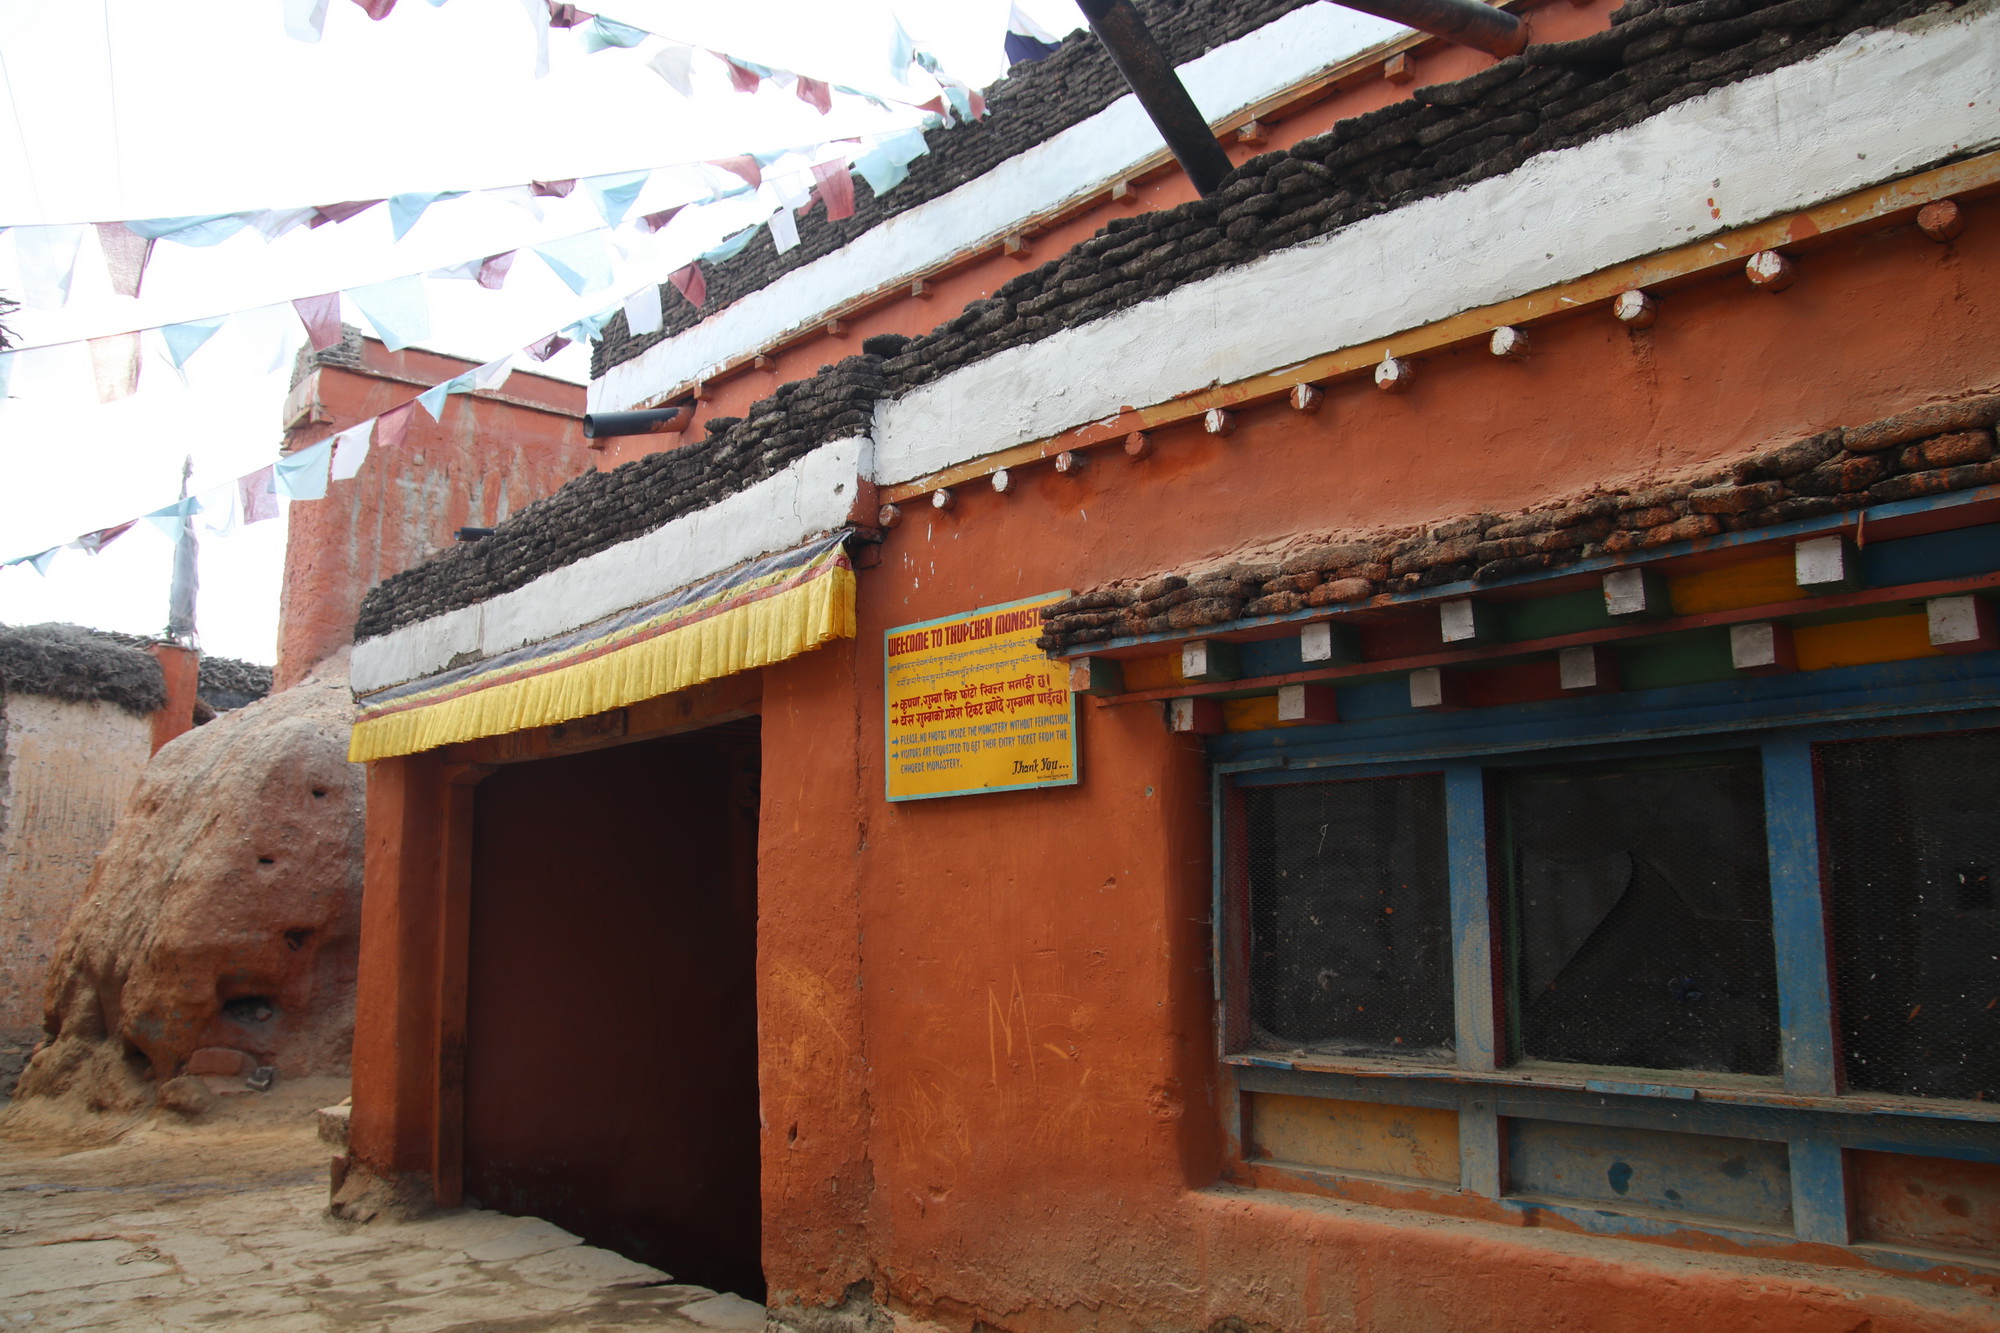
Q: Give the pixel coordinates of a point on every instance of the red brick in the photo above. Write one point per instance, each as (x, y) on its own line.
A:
(1917, 423)
(1657, 495)
(1324, 559)
(1789, 460)
(1650, 517)
(1735, 499)
(1935, 483)
(1971, 446)
(1300, 583)
(1429, 555)
(1336, 591)
(1276, 604)
(1936, 419)
(1205, 611)
(1681, 529)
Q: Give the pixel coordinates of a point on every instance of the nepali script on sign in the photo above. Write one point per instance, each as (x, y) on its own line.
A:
(974, 706)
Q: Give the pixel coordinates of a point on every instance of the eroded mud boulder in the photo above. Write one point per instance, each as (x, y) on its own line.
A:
(224, 914)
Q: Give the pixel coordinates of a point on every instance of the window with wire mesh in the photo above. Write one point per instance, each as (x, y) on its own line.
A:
(1350, 917)
(1639, 913)
(1912, 838)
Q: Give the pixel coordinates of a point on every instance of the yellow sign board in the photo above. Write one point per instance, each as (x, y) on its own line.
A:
(974, 706)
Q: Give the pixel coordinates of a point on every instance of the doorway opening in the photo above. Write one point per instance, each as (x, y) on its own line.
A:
(611, 1023)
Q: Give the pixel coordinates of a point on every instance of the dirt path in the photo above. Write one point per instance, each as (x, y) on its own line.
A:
(156, 1224)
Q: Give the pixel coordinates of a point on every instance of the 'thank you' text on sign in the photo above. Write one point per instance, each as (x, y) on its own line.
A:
(974, 706)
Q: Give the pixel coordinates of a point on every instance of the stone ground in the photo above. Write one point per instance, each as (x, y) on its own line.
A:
(153, 1223)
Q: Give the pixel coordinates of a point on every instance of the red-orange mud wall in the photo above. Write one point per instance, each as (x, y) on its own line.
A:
(181, 669)
(484, 460)
(979, 277)
(397, 1008)
(1024, 977)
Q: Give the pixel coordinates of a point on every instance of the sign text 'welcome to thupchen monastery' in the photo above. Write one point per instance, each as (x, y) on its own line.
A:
(974, 706)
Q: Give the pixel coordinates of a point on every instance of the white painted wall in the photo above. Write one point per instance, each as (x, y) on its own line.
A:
(67, 768)
(1080, 161)
(1879, 106)
(811, 496)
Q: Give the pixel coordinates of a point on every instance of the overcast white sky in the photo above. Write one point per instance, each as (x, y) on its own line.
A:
(119, 109)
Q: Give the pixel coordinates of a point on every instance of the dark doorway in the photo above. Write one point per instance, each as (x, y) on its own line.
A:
(611, 1025)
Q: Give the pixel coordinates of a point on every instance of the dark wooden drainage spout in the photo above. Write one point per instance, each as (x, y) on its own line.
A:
(1465, 22)
(1151, 77)
(652, 421)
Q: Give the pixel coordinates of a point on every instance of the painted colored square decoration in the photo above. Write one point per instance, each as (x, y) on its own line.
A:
(974, 706)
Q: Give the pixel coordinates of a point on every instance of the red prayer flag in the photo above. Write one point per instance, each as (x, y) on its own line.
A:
(742, 165)
(743, 80)
(260, 494)
(556, 189)
(94, 542)
(815, 93)
(376, 9)
(836, 187)
(653, 222)
(690, 283)
(393, 426)
(567, 16)
(325, 213)
(544, 348)
(493, 273)
(125, 255)
(321, 315)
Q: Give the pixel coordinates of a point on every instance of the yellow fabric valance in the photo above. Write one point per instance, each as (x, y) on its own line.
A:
(760, 613)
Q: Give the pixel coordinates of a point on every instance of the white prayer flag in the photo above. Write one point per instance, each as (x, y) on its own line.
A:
(350, 450)
(494, 373)
(675, 63)
(271, 223)
(47, 257)
(114, 361)
(305, 20)
(538, 15)
(642, 311)
(220, 509)
(784, 226)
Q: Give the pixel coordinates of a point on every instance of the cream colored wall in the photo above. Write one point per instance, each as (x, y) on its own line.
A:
(66, 770)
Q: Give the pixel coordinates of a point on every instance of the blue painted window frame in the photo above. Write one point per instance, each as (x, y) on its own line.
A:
(1805, 1107)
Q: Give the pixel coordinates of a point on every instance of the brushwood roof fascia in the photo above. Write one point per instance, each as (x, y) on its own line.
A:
(1879, 106)
(810, 496)
(1081, 160)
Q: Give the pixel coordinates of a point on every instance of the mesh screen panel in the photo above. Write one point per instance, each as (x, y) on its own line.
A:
(1911, 828)
(1350, 917)
(1639, 914)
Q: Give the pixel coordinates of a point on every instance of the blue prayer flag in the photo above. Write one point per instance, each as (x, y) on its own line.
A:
(184, 340)
(604, 32)
(397, 308)
(302, 475)
(732, 247)
(887, 164)
(405, 209)
(207, 229)
(615, 193)
(580, 261)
